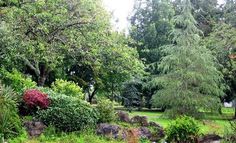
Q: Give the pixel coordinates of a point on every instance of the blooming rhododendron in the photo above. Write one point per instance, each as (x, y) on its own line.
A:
(35, 98)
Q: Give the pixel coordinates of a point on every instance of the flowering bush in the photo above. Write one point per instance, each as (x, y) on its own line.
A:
(34, 98)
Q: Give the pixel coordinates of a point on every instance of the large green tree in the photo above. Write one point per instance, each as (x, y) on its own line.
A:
(222, 42)
(150, 29)
(190, 80)
(37, 34)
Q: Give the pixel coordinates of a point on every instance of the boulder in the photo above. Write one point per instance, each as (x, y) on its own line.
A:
(133, 135)
(34, 128)
(141, 120)
(154, 124)
(144, 132)
(157, 133)
(108, 130)
(210, 138)
(123, 116)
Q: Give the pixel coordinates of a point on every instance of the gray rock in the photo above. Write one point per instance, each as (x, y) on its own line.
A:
(145, 132)
(123, 116)
(34, 128)
(141, 120)
(108, 130)
(210, 138)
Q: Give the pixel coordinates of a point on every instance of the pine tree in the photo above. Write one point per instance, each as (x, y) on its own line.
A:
(189, 80)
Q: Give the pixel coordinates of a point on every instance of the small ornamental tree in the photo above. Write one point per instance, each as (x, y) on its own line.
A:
(34, 98)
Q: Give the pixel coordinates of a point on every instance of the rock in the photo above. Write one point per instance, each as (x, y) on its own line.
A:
(157, 135)
(133, 135)
(34, 128)
(123, 116)
(154, 124)
(108, 130)
(211, 138)
(145, 133)
(141, 120)
(158, 132)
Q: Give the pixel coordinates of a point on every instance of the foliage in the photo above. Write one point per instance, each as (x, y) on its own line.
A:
(39, 35)
(16, 80)
(105, 110)
(206, 13)
(229, 12)
(10, 124)
(21, 138)
(150, 27)
(189, 78)
(222, 42)
(68, 88)
(35, 99)
(68, 114)
(50, 136)
(132, 93)
(183, 130)
(230, 136)
(120, 63)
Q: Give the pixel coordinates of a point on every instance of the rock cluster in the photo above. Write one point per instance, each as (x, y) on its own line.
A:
(132, 135)
(34, 128)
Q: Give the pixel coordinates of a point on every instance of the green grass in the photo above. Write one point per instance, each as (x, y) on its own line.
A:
(210, 123)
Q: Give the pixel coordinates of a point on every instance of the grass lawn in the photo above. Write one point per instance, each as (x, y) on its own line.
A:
(210, 123)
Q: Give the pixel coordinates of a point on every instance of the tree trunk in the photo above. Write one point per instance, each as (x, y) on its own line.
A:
(42, 79)
(234, 111)
(43, 75)
(220, 111)
(112, 91)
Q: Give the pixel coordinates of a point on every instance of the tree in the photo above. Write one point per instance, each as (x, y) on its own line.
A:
(106, 66)
(120, 64)
(132, 93)
(37, 34)
(222, 42)
(189, 80)
(205, 12)
(150, 29)
(229, 11)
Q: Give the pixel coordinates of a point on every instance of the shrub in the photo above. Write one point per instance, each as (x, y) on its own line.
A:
(17, 80)
(68, 114)
(106, 110)
(183, 130)
(10, 124)
(68, 88)
(230, 134)
(34, 98)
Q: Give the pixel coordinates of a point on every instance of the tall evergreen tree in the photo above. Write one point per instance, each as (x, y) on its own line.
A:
(151, 26)
(189, 80)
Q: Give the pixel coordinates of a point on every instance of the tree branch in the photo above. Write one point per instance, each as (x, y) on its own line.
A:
(31, 66)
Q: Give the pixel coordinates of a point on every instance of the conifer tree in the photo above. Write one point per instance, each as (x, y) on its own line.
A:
(189, 80)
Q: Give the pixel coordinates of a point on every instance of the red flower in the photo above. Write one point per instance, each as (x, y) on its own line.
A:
(35, 98)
